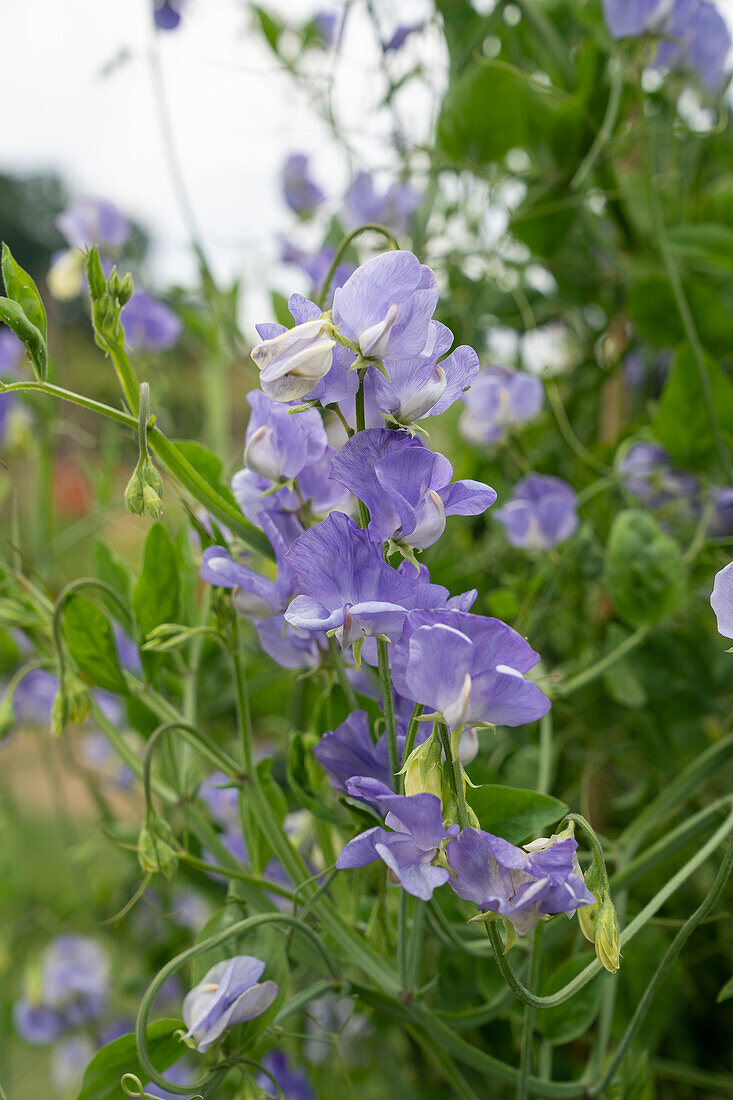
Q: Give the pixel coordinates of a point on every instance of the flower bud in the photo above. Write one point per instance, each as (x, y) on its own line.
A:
(126, 290)
(7, 715)
(261, 456)
(588, 914)
(423, 399)
(608, 935)
(290, 364)
(430, 514)
(135, 493)
(155, 851)
(95, 275)
(152, 484)
(422, 770)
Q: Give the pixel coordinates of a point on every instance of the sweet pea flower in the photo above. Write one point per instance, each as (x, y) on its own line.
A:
(386, 307)
(647, 472)
(422, 386)
(89, 221)
(349, 751)
(405, 486)
(540, 514)
(721, 600)
(150, 325)
(167, 14)
(301, 193)
(37, 1024)
(254, 596)
(230, 993)
(347, 586)
(221, 798)
(278, 443)
(292, 361)
(293, 1083)
(255, 496)
(521, 885)
(363, 205)
(499, 399)
(467, 668)
(289, 646)
(411, 846)
(72, 990)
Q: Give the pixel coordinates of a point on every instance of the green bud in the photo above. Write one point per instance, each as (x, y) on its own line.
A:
(59, 713)
(588, 914)
(152, 476)
(95, 275)
(126, 290)
(7, 714)
(135, 493)
(152, 503)
(608, 935)
(422, 770)
(77, 698)
(155, 851)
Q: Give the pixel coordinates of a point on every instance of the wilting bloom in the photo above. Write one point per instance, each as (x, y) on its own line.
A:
(412, 845)
(167, 14)
(150, 325)
(694, 34)
(302, 194)
(254, 595)
(519, 885)
(278, 443)
(421, 386)
(386, 307)
(349, 751)
(647, 472)
(230, 993)
(347, 586)
(69, 1059)
(540, 514)
(364, 205)
(498, 400)
(90, 222)
(293, 1083)
(721, 600)
(405, 486)
(467, 668)
(291, 362)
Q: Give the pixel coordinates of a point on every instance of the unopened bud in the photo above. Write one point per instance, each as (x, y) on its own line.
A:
(95, 275)
(135, 493)
(608, 936)
(422, 768)
(290, 364)
(155, 851)
(588, 914)
(126, 290)
(7, 714)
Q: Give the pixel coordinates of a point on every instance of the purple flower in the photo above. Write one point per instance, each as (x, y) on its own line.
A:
(254, 595)
(75, 978)
(647, 472)
(37, 1023)
(97, 753)
(150, 325)
(221, 798)
(69, 1059)
(386, 307)
(519, 885)
(12, 352)
(167, 14)
(278, 443)
(349, 751)
(254, 496)
(721, 600)
(468, 668)
(400, 36)
(363, 205)
(190, 909)
(293, 1082)
(412, 845)
(405, 486)
(289, 646)
(90, 222)
(695, 34)
(34, 697)
(498, 400)
(540, 514)
(230, 993)
(301, 193)
(347, 586)
(421, 386)
(722, 520)
(178, 1074)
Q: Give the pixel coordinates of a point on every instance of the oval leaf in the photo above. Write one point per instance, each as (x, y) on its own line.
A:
(92, 644)
(155, 598)
(645, 570)
(20, 287)
(101, 1079)
(512, 812)
(26, 331)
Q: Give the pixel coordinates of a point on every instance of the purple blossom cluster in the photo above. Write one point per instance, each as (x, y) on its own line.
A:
(70, 990)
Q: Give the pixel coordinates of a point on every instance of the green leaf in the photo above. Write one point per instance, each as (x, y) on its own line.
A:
(652, 307)
(112, 572)
(26, 331)
(621, 680)
(300, 784)
(703, 242)
(569, 1021)
(644, 568)
(20, 287)
(155, 597)
(726, 992)
(92, 644)
(511, 812)
(272, 28)
(208, 465)
(102, 1076)
(682, 423)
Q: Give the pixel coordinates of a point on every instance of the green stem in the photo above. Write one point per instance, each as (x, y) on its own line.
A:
(341, 676)
(410, 736)
(341, 250)
(403, 907)
(525, 1055)
(616, 72)
(455, 776)
(663, 969)
(691, 1075)
(599, 667)
(390, 725)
